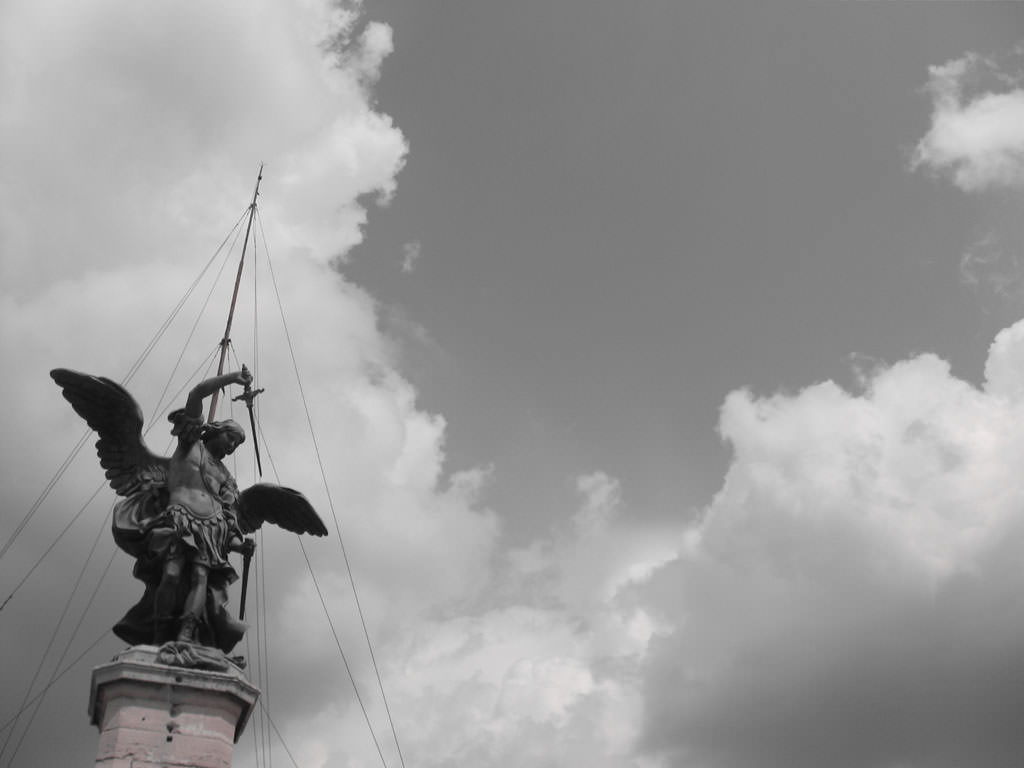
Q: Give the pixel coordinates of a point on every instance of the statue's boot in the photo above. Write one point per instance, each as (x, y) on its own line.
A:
(187, 633)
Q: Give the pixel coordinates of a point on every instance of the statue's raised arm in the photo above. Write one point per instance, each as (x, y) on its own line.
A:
(194, 404)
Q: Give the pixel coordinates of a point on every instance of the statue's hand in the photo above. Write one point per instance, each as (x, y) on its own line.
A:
(244, 377)
(247, 547)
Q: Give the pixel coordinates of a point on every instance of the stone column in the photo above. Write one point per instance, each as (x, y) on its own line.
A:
(151, 715)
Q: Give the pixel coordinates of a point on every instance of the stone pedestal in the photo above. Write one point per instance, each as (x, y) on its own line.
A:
(155, 716)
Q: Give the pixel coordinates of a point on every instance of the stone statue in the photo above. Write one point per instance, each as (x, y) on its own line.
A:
(180, 516)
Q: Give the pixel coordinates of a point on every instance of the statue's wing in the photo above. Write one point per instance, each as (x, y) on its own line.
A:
(278, 505)
(107, 408)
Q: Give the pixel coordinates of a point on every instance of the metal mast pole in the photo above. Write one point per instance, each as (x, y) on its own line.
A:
(234, 296)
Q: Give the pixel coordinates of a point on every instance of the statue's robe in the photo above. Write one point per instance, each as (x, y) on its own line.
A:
(143, 527)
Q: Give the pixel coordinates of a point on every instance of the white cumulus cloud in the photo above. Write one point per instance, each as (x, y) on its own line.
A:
(852, 594)
(546, 668)
(977, 131)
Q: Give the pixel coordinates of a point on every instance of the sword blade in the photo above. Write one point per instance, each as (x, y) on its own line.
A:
(255, 439)
(246, 559)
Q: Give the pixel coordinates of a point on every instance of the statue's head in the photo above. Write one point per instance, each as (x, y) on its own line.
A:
(222, 437)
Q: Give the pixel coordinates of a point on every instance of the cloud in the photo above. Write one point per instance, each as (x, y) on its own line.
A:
(991, 266)
(411, 253)
(545, 669)
(132, 133)
(851, 596)
(977, 130)
(360, 54)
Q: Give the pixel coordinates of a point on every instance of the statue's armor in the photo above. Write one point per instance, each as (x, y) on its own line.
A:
(206, 536)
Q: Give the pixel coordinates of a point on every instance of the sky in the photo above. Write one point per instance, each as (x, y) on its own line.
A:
(664, 362)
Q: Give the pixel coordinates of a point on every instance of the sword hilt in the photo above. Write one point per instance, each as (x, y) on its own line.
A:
(248, 395)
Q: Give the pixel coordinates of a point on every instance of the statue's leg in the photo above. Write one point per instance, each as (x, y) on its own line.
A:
(193, 603)
(165, 609)
(227, 630)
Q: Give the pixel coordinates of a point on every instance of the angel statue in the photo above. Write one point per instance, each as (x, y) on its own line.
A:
(181, 516)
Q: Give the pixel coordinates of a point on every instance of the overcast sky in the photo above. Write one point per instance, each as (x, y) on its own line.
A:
(665, 360)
